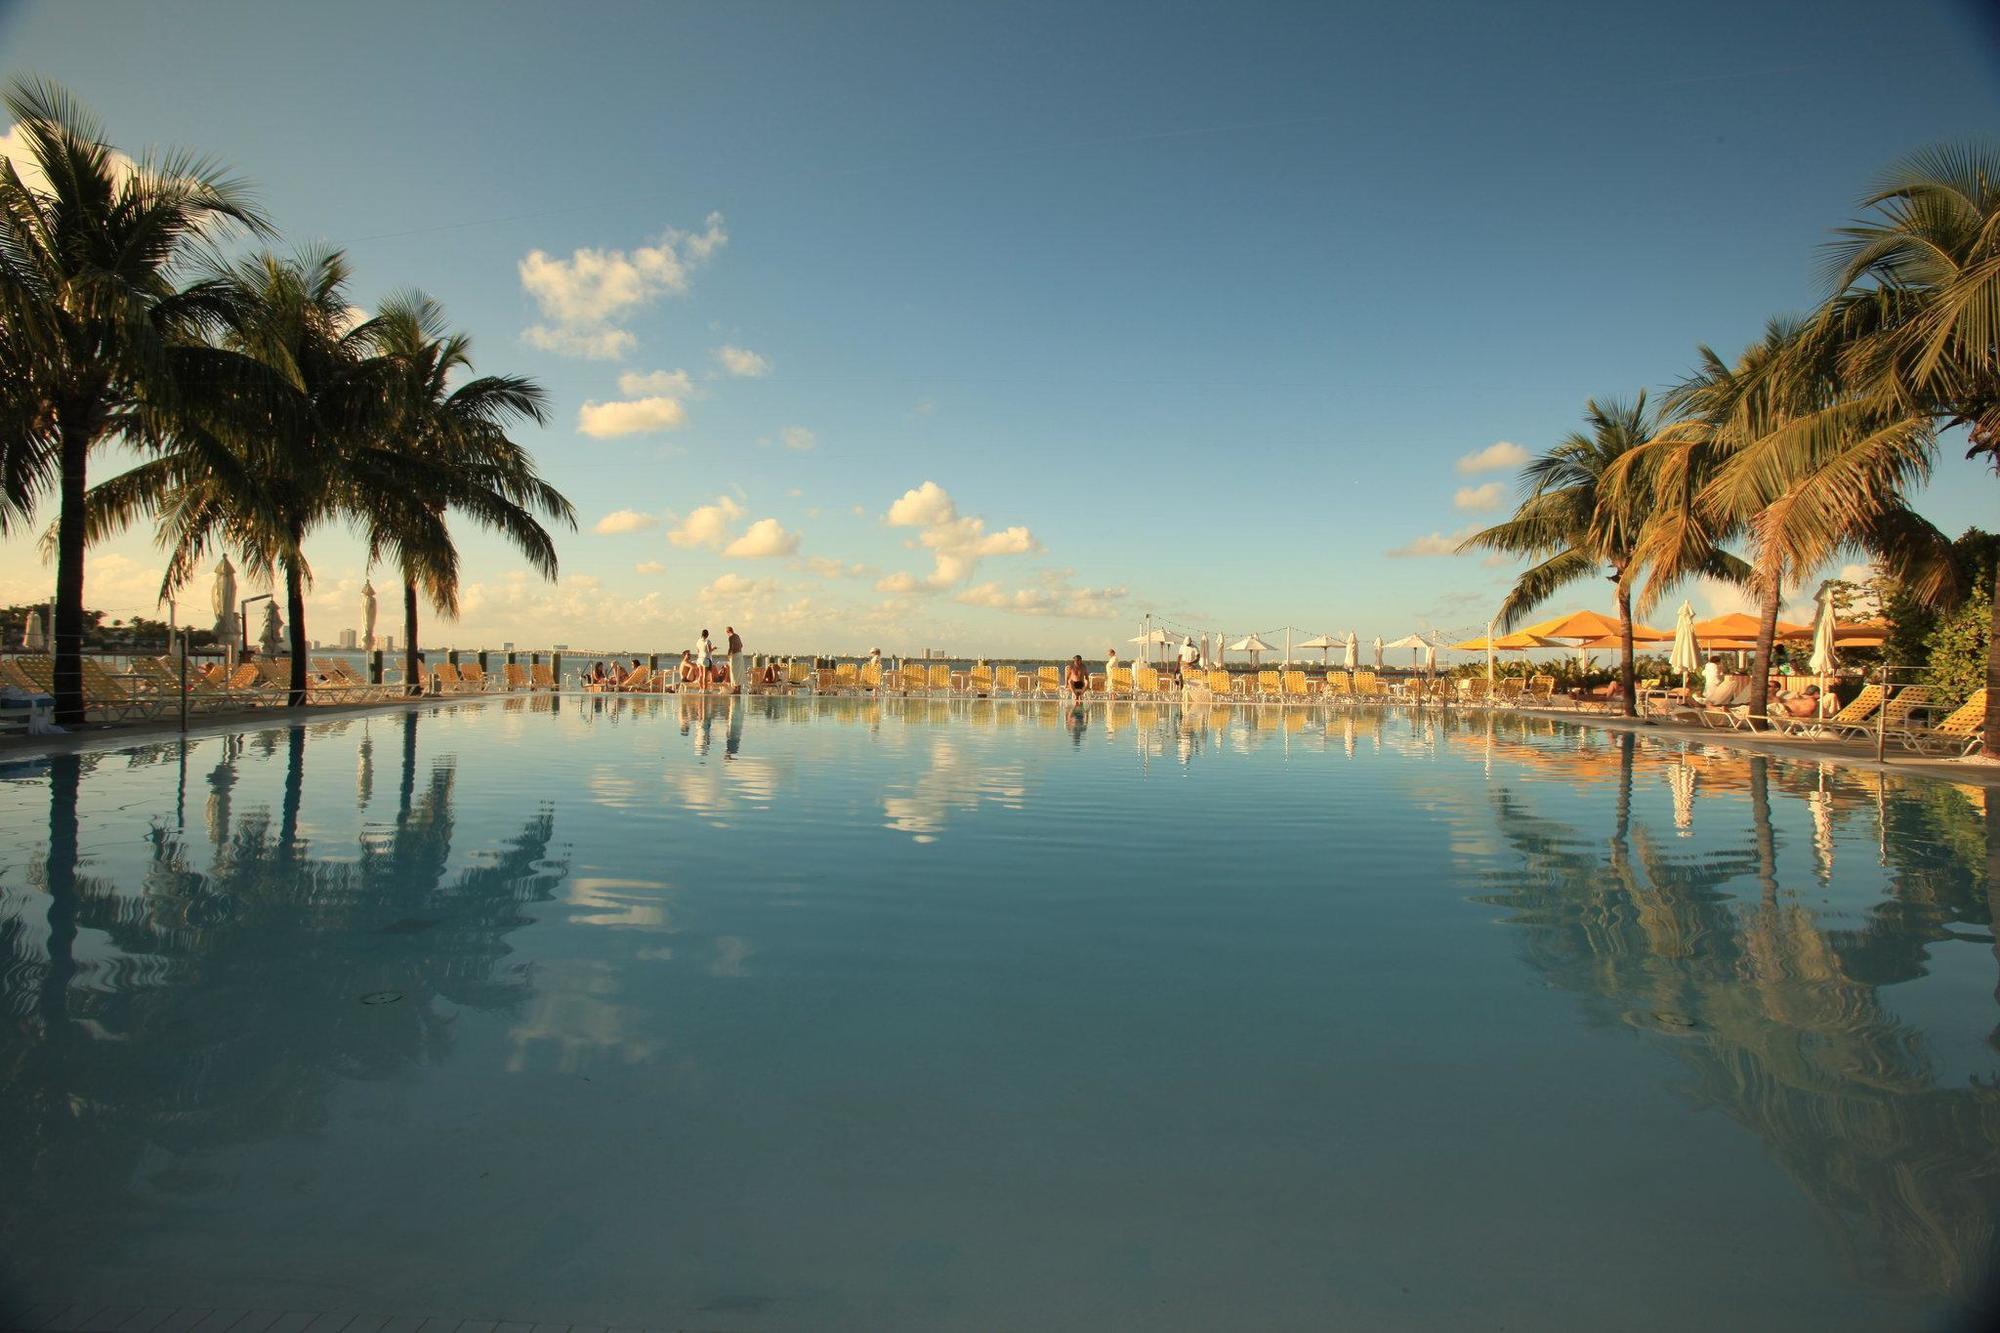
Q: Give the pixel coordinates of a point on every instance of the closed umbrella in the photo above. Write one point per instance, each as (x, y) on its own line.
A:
(1352, 654)
(274, 628)
(368, 616)
(1823, 659)
(1686, 656)
(1378, 652)
(31, 633)
(225, 600)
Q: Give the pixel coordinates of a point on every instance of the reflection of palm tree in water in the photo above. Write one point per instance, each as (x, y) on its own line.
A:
(230, 1008)
(1782, 1023)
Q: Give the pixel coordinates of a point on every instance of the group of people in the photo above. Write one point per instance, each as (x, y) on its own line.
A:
(1720, 690)
(700, 668)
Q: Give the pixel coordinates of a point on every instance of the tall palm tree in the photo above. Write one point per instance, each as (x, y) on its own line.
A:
(1573, 524)
(1776, 450)
(462, 430)
(1916, 307)
(91, 253)
(262, 471)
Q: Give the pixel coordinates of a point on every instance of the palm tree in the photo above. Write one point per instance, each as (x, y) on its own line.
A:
(263, 470)
(1916, 308)
(1573, 524)
(463, 431)
(90, 254)
(1775, 449)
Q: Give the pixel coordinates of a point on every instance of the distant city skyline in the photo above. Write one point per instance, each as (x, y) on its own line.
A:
(999, 329)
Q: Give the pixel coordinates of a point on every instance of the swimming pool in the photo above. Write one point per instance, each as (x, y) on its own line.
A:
(846, 1014)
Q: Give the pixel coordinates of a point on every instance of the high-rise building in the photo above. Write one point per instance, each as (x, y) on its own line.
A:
(388, 643)
(350, 639)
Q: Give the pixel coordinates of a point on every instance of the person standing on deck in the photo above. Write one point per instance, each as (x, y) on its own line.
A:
(704, 656)
(735, 646)
(1189, 656)
(1110, 669)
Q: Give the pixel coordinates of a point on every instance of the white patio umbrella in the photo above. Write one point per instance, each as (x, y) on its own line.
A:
(368, 616)
(1416, 643)
(1151, 639)
(1378, 652)
(31, 633)
(1326, 643)
(1252, 645)
(1352, 654)
(1686, 656)
(1823, 660)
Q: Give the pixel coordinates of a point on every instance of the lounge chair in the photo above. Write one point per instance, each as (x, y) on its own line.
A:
(515, 675)
(541, 676)
(940, 678)
(1959, 732)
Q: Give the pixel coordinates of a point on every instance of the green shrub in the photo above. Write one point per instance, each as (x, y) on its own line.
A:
(1955, 650)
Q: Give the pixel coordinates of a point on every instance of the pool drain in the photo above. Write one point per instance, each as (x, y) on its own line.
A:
(382, 997)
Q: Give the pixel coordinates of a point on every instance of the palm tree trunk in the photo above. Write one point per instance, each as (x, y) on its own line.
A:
(412, 670)
(1770, 583)
(1992, 747)
(1627, 675)
(295, 604)
(67, 631)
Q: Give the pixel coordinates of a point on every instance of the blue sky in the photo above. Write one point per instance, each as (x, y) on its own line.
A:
(1190, 310)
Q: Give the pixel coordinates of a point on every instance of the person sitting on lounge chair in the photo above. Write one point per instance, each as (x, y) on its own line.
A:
(689, 674)
(1805, 703)
(1733, 690)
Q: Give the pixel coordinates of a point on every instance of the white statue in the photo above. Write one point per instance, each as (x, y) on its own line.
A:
(368, 616)
(225, 600)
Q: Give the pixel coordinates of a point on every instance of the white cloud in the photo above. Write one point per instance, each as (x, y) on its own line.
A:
(706, 525)
(581, 298)
(919, 508)
(1056, 599)
(1495, 457)
(649, 567)
(1478, 497)
(798, 437)
(637, 416)
(902, 581)
(658, 384)
(601, 345)
(828, 568)
(621, 521)
(1437, 543)
(742, 362)
(763, 539)
(735, 587)
(957, 542)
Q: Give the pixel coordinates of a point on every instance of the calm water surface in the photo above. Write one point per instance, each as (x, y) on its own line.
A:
(855, 1015)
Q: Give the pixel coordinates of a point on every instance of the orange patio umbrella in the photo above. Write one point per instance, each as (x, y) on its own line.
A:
(1594, 625)
(1520, 641)
(1737, 625)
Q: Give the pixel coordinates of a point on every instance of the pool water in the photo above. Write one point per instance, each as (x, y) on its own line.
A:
(874, 1015)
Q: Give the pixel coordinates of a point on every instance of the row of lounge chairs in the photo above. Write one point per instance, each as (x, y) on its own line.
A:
(153, 687)
(1899, 718)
